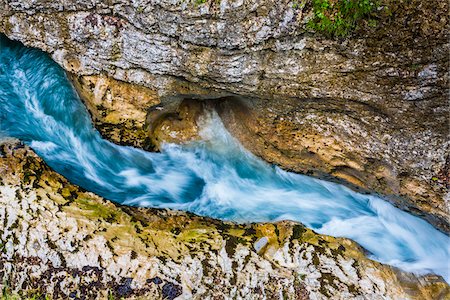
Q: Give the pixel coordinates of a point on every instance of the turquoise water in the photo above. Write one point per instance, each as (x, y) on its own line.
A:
(215, 177)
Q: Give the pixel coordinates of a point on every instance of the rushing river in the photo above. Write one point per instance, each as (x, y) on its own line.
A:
(215, 177)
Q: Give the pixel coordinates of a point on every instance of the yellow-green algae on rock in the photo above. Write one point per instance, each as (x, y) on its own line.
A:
(63, 242)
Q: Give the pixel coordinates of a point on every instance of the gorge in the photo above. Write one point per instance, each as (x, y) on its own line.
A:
(216, 178)
(198, 121)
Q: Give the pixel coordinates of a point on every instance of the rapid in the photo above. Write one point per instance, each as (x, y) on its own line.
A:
(215, 177)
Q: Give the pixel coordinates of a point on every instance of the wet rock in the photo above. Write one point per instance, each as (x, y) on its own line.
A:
(171, 291)
(178, 126)
(118, 108)
(155, 280)
(124, 289)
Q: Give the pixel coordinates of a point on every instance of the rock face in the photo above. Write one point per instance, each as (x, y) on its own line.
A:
(62, 242)
(370, 110)
(118, 108)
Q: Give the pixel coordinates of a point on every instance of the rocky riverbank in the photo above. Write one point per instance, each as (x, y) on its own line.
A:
(62, 242)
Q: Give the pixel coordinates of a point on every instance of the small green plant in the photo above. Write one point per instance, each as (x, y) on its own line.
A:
(111, 296)
(338, 18)
(7, 294)
(415, 66)
(298, 5)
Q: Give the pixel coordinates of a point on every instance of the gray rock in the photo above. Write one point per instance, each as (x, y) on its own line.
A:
(261, 243)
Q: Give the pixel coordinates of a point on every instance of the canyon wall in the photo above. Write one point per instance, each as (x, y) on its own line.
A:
(370, 110)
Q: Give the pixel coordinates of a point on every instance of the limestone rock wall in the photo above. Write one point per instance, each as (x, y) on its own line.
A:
(370, 110)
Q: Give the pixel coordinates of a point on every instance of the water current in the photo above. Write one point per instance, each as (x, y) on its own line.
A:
(215, 177)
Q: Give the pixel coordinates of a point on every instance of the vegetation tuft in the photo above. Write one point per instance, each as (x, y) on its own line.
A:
(338, 18)
(200, 2)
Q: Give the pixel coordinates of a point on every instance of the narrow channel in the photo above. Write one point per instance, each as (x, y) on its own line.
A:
(216, 177)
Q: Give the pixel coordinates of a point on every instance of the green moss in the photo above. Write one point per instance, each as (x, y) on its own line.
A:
(296, 4)
(116, 52)
(338, 18)
(91, 208)
(8, 294)
(192, 235)
(200, 2)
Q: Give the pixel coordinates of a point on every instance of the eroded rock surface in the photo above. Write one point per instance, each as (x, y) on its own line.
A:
(370, 110)
(118, 109)
(61, 241)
